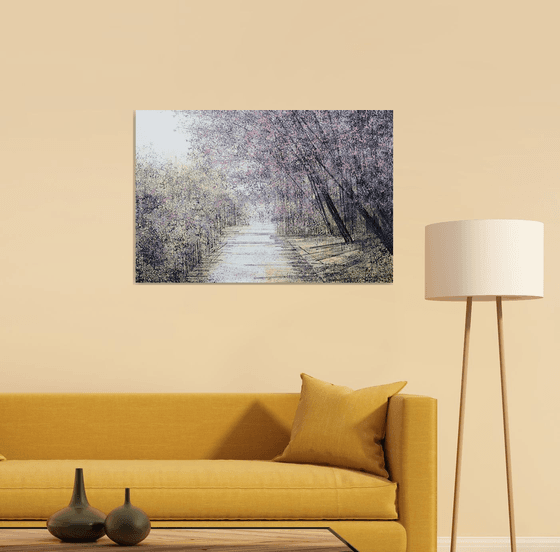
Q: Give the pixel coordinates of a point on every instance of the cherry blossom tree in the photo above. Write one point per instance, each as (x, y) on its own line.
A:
(331, 170)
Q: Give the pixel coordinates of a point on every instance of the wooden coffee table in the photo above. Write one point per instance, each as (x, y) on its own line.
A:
(192, 539)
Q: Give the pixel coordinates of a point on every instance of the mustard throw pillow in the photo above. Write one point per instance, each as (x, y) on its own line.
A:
(337, 426)
(2, 458)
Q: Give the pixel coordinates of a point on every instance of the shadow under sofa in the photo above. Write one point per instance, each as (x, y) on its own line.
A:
(204, 460)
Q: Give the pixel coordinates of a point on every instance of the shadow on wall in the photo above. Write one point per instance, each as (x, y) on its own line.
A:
(258, 435)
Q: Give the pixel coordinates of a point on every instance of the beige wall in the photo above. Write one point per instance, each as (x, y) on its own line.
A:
(475, 89)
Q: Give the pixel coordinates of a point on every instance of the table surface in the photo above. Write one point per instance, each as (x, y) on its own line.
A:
(191, 539)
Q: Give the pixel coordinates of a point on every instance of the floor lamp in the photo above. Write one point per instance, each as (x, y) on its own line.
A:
(483, 260)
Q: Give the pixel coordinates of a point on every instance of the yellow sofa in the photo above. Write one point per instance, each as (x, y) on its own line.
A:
(203, 460)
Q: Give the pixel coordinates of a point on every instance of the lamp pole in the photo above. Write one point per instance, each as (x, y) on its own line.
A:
(506, 423)
(461, 424)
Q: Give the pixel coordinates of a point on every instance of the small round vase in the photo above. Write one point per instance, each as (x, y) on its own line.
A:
(78, 522)
(127, 524)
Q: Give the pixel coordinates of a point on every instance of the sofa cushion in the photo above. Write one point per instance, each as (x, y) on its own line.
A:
(145, 426)
(198, 489)
(338, 426)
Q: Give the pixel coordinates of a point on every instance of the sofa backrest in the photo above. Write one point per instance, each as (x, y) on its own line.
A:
(123, 426)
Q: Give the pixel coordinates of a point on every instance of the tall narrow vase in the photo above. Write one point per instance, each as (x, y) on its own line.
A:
(78, 522)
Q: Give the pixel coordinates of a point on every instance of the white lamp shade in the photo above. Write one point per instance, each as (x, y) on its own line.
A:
(483, 259)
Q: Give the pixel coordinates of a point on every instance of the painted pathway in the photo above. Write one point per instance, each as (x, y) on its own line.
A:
(253, 254)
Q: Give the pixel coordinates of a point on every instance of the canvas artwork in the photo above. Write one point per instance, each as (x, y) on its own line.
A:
(264, 196)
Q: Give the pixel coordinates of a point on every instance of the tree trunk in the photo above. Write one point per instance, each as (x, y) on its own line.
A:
(373, 226)
(321, 207)
(337, 219)
(324, 194)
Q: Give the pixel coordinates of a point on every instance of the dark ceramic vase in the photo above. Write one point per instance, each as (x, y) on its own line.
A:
(127, 524)
(78, 522)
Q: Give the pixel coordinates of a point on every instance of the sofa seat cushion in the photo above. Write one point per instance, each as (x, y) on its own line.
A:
(198, 489)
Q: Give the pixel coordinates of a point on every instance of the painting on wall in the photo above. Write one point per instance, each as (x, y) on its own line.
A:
(264, 196)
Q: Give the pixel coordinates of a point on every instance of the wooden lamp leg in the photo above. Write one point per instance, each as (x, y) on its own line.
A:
(506, 424)
(461, 419)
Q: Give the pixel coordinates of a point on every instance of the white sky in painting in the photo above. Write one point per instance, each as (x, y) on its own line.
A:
(157, 130)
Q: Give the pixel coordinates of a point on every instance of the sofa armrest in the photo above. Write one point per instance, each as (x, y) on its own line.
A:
(411, 457)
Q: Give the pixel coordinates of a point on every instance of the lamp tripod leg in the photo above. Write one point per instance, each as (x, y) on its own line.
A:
(506, 424)
(461, 420)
